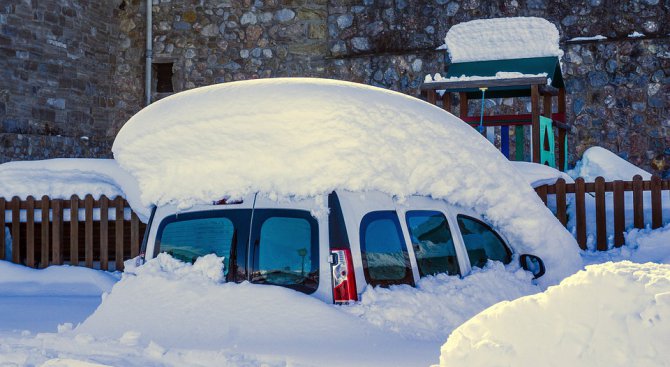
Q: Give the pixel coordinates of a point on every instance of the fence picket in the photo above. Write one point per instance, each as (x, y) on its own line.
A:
(104, 232)
(134, 235)
(561, 207)
(601, 221)
(542, 193)
(74, 230)
(44, 227)
(580, 213)
(118, 228)
(16, 230)
(88, 232)
(619, 210)
(30, 232)
(638, 202)
(656, 203)
(57, 231)
(2, 228)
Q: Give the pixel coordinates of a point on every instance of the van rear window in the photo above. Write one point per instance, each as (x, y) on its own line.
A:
(191, 235)
(286, 249)
(384, 253)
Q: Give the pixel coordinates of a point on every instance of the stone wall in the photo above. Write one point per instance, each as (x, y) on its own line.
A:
(56, 94)
(618, 88)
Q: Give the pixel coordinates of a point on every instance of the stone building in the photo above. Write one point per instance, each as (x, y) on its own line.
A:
(72, 71)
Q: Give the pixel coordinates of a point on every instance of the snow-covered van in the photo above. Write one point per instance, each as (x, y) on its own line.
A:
(326, 186)
(363, 239)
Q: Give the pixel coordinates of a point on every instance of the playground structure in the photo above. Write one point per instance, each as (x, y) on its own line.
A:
(537, 78)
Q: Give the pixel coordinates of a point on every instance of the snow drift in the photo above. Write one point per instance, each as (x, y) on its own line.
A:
(598, 161)
(179, 305)
(301, 137)
(614, 314)
(502, 38)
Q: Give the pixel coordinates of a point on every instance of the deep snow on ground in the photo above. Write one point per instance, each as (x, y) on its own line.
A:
(173, 313)
(311, 136)
(641, 245)
(502, 38)
(40, 300)
(612, 314)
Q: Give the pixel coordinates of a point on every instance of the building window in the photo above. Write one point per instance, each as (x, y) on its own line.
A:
(163, 72)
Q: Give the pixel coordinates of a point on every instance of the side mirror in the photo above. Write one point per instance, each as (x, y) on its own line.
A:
(532, 264)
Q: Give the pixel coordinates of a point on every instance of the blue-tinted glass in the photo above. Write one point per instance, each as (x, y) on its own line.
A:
(285, 251)
(433, 244)
(189, 239)
(482, 243)
(383, 248)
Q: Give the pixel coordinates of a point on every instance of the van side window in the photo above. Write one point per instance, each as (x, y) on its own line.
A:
(433, 244)
(286, 249)
(191, 235)
(383, 250)
(482, 242)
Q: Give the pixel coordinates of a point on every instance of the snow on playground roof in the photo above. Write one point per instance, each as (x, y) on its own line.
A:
(502, 38)
(302, 137)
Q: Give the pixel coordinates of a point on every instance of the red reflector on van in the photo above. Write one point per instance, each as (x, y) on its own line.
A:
(344, 279)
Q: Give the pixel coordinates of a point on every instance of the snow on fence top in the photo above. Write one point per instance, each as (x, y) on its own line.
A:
(501, 39)
(63, 177)
(301, 137)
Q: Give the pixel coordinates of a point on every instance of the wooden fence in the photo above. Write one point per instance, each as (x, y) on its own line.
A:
(599, 188)
(46, 232)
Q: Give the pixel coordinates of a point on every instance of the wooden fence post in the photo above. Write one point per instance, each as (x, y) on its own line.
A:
(542, 193)
(118, 227)
(561, 202)
(30, 232)
(2, 228)
(638, 202)
(580, 213)
(57, 231)
(88, 230)
(104, 232)
(619, 210)
(74, 230)
(656, 203)
(44, 226)
(601, 220)
(134, 235)
(16, 230)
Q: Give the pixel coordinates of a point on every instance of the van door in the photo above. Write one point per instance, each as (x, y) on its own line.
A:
(430, 226)
(378, 245)
(289, 246)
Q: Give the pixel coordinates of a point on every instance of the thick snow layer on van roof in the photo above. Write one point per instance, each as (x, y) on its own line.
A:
(63, 177)
(502, 38)
(613, 314)
(303, 137)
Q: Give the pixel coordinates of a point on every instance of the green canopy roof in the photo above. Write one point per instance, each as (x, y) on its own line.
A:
(535, 65)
